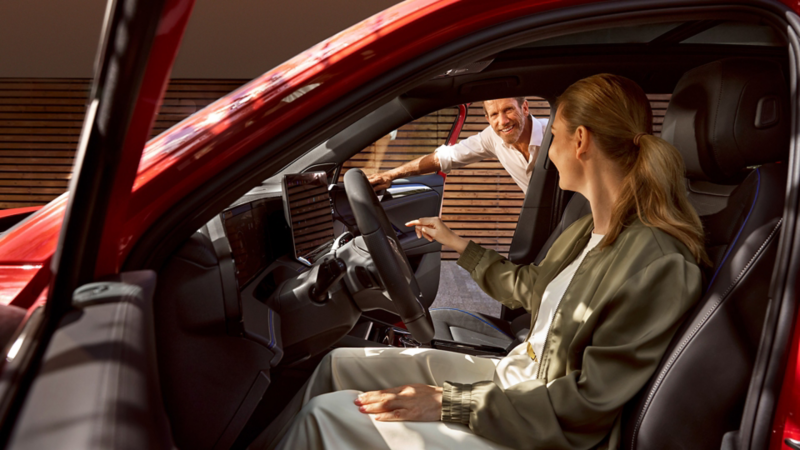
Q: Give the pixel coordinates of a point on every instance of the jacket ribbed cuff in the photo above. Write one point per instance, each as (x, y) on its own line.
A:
(471, 256)
(456, 402)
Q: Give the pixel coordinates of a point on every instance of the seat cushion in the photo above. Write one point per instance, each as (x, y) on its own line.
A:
(521, 326)
(454, 324)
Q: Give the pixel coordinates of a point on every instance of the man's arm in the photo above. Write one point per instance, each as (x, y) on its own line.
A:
(426, 164)
(473, 149)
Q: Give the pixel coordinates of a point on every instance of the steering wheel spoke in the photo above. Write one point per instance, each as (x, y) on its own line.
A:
(390, 261)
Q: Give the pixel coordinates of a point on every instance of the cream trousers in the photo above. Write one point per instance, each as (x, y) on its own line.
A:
(328, 418)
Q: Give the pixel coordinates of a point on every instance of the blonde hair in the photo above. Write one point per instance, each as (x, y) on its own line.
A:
(616, 112)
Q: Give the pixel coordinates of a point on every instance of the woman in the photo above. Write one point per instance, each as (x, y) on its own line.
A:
(605, 301)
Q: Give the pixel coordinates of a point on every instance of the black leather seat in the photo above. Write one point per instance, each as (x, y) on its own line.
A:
(726, 118)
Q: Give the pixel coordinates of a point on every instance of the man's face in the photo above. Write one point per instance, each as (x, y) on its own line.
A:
(507, 118)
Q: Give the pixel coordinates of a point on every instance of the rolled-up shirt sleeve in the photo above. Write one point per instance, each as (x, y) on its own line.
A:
(473, 149)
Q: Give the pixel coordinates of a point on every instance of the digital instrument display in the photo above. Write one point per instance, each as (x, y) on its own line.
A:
(309, 214)
(245, 227)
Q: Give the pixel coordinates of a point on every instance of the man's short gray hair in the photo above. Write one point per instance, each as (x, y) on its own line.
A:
(519, 100)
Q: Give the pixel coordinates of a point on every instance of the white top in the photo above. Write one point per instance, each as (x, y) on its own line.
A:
(518, 366)
(487, 144)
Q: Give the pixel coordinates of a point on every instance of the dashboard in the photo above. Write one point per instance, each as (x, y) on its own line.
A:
(238, 293)
(251, 249)
(295, 224)
(309, 213)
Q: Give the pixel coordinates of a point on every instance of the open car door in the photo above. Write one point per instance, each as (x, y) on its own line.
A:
(90, 345)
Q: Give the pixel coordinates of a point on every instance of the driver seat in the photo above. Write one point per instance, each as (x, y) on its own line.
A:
(471, 327)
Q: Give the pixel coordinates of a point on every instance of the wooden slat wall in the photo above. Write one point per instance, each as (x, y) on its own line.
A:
(40, 123)
(481, 201)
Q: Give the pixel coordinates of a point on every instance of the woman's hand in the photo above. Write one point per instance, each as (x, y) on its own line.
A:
(433, 228)
(415, 402)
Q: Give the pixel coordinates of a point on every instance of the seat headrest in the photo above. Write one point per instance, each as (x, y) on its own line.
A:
(727, 115)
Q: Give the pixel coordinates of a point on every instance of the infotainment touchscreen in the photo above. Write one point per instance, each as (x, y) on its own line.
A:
(308, 211)
(245, 227)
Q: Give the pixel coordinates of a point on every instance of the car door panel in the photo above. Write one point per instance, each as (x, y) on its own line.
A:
(411, 199)
(87, 379)
(407, 199)
(101, 362)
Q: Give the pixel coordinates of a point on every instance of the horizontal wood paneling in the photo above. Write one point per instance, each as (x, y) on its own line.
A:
(490, 216)
(40, 125)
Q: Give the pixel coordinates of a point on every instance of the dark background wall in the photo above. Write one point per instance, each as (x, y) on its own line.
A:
(224, 39)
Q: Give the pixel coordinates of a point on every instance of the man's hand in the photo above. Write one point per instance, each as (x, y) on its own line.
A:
(424, 164)
(415, 402)
(432, 228)
(380, 181)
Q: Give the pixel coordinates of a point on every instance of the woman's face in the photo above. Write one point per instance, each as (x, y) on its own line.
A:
(564, 154)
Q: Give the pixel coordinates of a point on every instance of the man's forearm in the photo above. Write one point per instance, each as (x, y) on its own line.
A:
(426, 164)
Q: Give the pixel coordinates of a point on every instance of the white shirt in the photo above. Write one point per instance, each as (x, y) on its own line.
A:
(518, 366)
(487, 144)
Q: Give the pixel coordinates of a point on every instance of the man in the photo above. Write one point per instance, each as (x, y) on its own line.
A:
(513, 137)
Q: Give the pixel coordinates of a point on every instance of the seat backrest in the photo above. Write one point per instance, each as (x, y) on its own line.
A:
(728, 119)
(577, 207)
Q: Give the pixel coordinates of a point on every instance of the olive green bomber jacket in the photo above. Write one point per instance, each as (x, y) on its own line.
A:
(607, 337)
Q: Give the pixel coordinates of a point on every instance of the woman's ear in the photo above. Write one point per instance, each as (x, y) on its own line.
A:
(582, 142)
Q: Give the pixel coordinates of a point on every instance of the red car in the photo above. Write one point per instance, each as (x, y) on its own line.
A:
(186, 287)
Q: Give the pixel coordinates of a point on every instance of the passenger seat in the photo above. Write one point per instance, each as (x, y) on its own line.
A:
(727, 118)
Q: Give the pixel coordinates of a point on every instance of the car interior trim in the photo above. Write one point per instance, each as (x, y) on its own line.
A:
(768, 373)
(473, 315)
(739, 233)
(405, 190)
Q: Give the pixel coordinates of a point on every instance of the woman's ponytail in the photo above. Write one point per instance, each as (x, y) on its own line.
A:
(654, 191)
(617, 112)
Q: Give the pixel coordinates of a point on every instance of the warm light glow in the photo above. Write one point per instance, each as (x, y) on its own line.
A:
(22, 267)
(12, 353)
(213, 118)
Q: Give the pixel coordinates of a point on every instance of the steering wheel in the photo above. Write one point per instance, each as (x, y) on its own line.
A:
(391, 262)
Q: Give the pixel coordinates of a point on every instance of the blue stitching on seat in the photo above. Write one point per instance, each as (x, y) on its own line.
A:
(730, 248)
(473, 315)
(271, 332)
